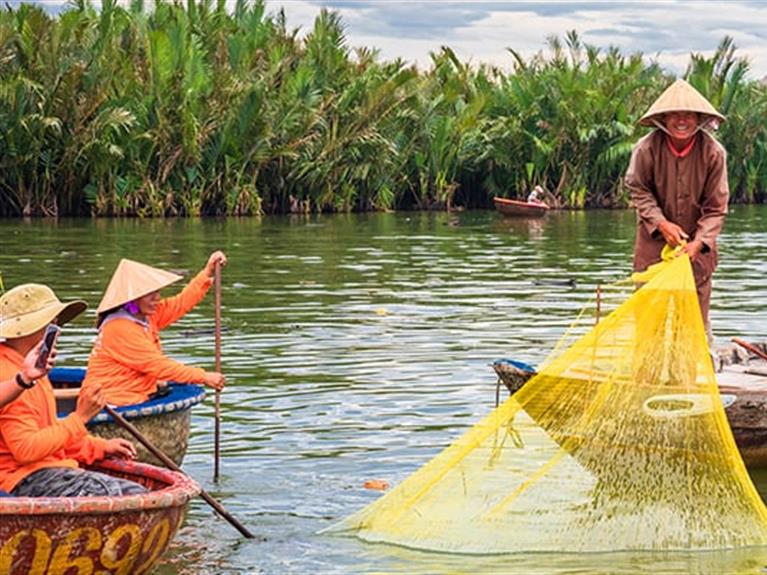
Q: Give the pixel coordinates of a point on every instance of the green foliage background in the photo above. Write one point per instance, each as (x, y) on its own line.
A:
(192, 109)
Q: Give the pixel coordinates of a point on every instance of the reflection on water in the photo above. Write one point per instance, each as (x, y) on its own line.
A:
(357, 348)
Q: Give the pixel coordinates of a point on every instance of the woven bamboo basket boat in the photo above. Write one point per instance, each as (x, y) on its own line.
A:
(742, 386)
(129, 534)
(164, 421)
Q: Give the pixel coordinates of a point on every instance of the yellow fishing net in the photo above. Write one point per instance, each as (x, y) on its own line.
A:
(618, 443)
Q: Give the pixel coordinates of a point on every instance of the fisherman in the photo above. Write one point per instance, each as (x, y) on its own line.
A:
(677, 177)
(127, 361)
(536, 196)
(28, 372)
(39, 453)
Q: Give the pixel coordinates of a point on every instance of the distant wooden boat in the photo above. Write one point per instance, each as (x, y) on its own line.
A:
(163, 420)
(743, 388)
(96, 534)
(517, 208)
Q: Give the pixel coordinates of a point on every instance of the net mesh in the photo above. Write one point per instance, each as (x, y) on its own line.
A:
(619, 443)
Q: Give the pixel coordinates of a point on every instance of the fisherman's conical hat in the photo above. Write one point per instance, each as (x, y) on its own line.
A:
(680, 97)
(132, 280)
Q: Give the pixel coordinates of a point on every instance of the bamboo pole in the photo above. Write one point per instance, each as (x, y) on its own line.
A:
(217, 430)
(599, 303)
(168, 462)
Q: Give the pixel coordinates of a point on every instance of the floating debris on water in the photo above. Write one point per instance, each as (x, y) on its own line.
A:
(554, 282)
(376, 484)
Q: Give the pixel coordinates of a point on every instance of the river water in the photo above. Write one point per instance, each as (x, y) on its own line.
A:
(357, 347)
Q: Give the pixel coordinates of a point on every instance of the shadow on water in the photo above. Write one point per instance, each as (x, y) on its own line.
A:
(358, 347)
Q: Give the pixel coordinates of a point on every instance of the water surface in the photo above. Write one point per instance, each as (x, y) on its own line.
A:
(357, 347)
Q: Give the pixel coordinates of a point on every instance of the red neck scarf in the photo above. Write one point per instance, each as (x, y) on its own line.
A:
(681, 153)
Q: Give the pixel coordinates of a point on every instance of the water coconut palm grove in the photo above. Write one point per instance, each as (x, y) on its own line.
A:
(187, 108)
(273, 303)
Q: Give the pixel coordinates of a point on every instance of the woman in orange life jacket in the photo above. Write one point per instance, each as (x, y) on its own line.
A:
(127, 360)
(40, 454)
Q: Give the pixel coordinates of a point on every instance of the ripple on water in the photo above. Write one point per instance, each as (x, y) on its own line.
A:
(357, 347)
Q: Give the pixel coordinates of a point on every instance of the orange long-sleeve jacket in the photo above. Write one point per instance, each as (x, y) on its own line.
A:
(127, 358)
(32, 437)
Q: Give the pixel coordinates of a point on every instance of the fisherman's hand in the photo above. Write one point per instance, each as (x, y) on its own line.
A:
(120, 448)
(672, 233)
(90, 402)
(215, 380)
(28, 369)
(693, 249)
(215, 257)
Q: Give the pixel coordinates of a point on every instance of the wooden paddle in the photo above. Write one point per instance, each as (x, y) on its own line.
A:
(217, 429)
(753, 349)
(170, 464)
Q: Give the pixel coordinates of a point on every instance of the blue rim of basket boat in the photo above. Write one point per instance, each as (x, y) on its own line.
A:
(516, 363)
(181, 397)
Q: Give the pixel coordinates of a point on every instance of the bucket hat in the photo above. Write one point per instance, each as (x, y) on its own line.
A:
(28, 308)
(132, 280)
(680, 97)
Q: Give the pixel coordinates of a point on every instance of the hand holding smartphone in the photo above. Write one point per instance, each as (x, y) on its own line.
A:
(49, 341)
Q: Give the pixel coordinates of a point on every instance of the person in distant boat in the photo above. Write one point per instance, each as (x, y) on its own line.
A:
(536, 196)
(677, 178)
(127, 360)
(12, 388)
(40, 454)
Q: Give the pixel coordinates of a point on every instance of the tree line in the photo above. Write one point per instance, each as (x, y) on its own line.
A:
(197, 108)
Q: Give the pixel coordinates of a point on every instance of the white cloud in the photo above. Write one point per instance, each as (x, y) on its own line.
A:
(299, 14)
(668, 30)
(481, 31)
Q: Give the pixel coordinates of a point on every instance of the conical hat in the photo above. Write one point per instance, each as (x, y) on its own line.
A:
(680, 97)
(132, 280)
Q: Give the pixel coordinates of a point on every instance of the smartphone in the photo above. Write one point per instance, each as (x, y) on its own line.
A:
(49, 340)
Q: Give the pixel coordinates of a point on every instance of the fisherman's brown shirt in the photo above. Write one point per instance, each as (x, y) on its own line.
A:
(691, 192)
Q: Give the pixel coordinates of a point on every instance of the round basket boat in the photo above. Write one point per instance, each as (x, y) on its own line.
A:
(514, 374)
(164, 420)
(742, 390)
(120, 535)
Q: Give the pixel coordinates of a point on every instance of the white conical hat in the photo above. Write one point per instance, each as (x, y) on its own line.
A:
(132, 280)
(680, 97)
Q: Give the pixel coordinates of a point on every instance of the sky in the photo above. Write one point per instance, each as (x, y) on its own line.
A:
(666, 31)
